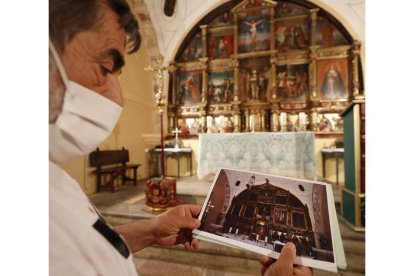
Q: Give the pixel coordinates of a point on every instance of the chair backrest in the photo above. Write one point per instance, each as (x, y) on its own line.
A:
(108, 157)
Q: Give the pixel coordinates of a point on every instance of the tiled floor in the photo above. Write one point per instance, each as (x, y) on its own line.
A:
(127, 205)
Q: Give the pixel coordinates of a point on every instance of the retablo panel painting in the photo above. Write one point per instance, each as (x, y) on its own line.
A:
(220, 46)
(253, 33)
(220, 88)
(327, 35)
(293, 82)
(193, 51)
(333, 79)
(292, 34)
(189, 90)
(289, 9)
(224, 19)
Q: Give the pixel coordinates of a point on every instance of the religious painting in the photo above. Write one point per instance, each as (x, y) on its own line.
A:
(330, 122)
(288, 9)
(327, 35)
(333, 79)
(292, 82)
(220, 87)
(220, 46)
(253, 32)
(193, 51)
(279, 216)
(224, 19)
(253, 4)
(189, 90)
(292, 34)
(194, 125)
(231, 217)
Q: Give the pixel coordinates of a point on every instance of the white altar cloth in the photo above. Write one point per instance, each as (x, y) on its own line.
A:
(290, 154)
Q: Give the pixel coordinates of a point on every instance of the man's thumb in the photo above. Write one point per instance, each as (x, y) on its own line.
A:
(284, 264)
(187, 222)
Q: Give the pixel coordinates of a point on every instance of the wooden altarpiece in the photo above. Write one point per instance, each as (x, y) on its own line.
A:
(247, 63)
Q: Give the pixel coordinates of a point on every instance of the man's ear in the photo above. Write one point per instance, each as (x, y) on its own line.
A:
(56, 90)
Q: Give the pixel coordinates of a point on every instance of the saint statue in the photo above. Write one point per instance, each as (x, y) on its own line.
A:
(254, 85)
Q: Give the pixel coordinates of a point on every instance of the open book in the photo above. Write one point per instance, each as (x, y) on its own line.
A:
(260, 213)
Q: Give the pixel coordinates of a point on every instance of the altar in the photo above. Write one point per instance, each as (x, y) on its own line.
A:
(290, 154)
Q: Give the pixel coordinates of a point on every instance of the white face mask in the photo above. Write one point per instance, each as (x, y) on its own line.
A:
(86, 120)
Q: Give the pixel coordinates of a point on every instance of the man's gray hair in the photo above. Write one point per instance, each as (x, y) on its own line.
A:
(70, 17)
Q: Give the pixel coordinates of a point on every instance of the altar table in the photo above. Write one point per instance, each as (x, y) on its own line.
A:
(176, 153)
(290, 154)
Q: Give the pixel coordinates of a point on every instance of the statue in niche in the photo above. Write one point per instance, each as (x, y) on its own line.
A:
(254, 85)
(257, 85)
(262, 85)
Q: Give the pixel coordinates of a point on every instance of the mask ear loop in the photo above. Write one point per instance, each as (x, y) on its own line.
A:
(58, 63)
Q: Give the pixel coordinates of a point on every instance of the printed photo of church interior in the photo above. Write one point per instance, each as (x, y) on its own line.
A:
(273, 87)
(265, 211)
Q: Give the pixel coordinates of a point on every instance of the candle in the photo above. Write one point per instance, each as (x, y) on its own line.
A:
(283, 118)
(302, 118)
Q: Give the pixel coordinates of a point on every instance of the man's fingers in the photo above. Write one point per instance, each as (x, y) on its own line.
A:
(266, 261)
(194, 209)
(301, 270)
(195, 244)
(286, 258)
(187, 222)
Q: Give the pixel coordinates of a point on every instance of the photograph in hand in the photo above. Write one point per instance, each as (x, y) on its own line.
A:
(261, 213)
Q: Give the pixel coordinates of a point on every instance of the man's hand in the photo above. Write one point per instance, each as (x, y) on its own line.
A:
(284, 265)
(175, 226)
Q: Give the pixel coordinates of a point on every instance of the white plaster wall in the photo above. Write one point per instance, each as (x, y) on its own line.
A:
(171, 31)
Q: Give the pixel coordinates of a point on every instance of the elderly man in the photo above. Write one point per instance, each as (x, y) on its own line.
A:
(88, 40)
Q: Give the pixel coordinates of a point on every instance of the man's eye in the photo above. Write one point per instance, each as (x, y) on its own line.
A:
(105, 71)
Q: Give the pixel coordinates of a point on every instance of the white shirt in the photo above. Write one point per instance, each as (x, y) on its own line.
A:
(76, 247)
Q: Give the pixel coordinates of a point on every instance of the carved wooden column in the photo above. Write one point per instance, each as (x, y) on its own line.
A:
(312, 72)
(204, 39)
(274, 121)
(356, 51)
(237, 121)
(313, 54)
(172, 68)
(172, 120)
(273, 73)
(235, 34)
(236, 92)
(247, 120)
(204, 91)
(314, 22)
(314, 120)
(263, 120)
(272, 28)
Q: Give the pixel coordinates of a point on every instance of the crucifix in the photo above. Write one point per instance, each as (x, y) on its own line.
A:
(158, 78)
(176, 131)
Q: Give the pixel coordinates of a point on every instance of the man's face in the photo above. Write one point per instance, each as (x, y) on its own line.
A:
(94, 58)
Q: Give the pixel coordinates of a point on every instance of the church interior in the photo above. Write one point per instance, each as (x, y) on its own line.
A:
(210, 73)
